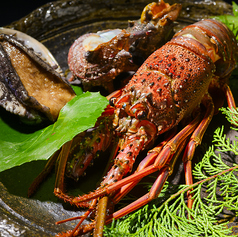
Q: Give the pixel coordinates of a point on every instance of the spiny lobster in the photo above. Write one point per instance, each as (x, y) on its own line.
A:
(184, 82)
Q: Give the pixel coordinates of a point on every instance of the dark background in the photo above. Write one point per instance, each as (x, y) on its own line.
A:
(13, 10)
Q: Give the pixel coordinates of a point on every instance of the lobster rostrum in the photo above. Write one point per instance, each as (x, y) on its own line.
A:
(185, 82)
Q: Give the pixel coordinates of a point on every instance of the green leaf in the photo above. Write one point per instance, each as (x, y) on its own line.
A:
(229, 20)
(78, 115)
(235, 8)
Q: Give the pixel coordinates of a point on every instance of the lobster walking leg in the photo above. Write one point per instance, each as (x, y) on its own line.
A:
(196, 140)
(44, 173)
(197, 136)
(229, 97)
(148, 160)
(74, 232)
(155, 189)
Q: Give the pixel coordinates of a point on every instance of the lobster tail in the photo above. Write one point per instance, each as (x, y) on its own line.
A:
(218, 43)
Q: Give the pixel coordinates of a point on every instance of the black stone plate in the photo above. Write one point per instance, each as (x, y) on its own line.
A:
(57, 25)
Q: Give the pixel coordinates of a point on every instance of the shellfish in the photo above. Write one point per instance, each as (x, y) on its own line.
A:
(97, 58)
(30, 84)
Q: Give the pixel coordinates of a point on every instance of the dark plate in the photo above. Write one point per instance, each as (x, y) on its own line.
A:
(57, 25)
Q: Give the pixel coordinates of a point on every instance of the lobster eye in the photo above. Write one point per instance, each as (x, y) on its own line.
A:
(141, 115)
(112, 101)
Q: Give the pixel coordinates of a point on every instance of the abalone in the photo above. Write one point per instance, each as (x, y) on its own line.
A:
(31, 84)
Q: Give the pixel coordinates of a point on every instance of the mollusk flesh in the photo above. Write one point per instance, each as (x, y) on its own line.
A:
(31, 85)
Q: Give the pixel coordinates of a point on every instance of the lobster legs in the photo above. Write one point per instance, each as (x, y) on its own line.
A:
(194, 141)
(162, 159)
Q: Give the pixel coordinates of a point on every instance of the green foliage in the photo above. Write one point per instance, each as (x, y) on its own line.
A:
(232, 117)
(229, 20)
(215, 191)
(20, 147)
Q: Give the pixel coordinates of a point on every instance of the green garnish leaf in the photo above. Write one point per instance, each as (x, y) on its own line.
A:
(76, 116)
(230, 21)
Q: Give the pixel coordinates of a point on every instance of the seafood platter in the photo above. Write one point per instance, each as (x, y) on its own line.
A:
(97, 96)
